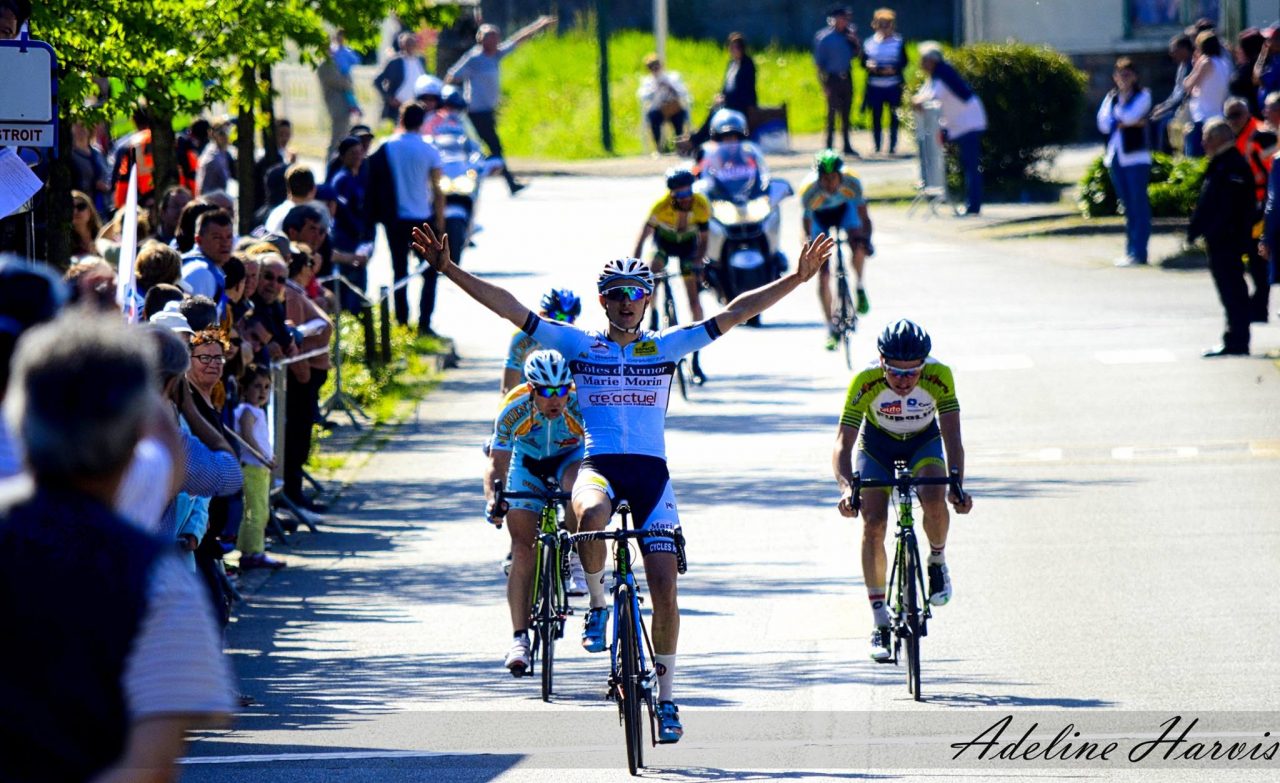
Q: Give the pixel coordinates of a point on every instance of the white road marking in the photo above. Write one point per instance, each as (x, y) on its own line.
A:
(1140, 356)
(1049, 455)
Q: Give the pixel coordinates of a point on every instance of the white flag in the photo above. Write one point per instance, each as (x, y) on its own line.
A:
(126, 277)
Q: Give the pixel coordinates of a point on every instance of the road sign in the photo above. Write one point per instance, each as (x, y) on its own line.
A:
(28, 94)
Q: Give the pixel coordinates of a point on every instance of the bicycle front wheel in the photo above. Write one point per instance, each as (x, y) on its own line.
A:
(912, 575)
(548, 618)
(632, 700)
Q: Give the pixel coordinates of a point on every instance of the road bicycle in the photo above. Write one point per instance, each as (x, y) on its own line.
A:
(845, 316)
(631, 651)
(911, 615)
(550, 601)
(664, 317)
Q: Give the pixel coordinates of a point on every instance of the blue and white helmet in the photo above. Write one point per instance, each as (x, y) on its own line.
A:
(427, 86)
(547, 368)
(452, 98)
(630, 270)
(726, 121)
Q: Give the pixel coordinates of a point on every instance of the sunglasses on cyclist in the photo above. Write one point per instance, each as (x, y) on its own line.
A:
(626, 293)
(552, 391)
(563, 317)
(898, 372)
(686, 193)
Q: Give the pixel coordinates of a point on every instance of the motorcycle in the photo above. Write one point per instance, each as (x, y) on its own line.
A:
(463, 167)
(743, 247)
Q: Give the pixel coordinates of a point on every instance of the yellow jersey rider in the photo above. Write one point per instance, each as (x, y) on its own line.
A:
(679, 224)
(902, 407)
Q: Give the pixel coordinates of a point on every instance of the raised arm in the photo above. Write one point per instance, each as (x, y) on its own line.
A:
(751, 303)
(435, 249)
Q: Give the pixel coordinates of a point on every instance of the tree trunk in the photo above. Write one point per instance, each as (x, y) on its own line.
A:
(56, 203)
(268, 104)
(164, 151)
(245, 147)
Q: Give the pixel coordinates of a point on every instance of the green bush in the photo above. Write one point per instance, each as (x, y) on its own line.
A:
(1033, 97)
(1173, 189)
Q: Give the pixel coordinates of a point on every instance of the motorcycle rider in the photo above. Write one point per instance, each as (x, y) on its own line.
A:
(732, 168)
(451, 119)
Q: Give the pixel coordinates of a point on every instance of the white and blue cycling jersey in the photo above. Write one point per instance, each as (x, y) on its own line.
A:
(623, 391)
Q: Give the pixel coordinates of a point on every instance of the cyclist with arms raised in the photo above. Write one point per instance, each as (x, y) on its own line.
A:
(902, 407)
(832, 196)
(537, 435)
(679, 224)
(623, 375)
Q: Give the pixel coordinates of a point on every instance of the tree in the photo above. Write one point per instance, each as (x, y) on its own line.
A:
(180, 56)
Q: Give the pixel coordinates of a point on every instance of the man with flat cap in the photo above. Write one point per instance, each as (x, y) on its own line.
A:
(834, 48)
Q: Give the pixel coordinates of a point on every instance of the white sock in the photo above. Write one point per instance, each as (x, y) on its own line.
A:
(665, 666)
(937, 556)
(595, 587)
(876, 595)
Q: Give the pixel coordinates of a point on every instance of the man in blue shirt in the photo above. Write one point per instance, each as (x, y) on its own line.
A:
(478, 69)
(834, 48)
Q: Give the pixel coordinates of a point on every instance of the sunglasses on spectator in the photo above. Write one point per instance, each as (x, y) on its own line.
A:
(626, 293)
(1236, 115)
(898, 372)
(565, 317)
(270, 278)
(210, 358)
(551, 391)
(81, 206)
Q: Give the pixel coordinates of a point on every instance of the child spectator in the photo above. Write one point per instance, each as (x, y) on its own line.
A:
(257, 461)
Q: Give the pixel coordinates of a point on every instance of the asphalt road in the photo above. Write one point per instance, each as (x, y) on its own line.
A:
(1118, 567)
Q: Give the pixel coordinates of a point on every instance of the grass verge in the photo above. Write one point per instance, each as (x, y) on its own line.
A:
(551, 97)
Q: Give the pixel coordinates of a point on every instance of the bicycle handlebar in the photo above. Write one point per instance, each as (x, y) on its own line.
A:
(905, 483)
(619, 535)
(499, 506)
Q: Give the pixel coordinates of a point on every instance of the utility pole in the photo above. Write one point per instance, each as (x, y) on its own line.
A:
(602, 36)
(660, 29)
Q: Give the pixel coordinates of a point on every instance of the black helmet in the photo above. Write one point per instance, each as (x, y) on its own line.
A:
(904, 341)
(679, 178)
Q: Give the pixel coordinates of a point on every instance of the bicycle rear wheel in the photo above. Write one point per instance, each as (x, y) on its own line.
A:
(912, 575)
(629, 692)
(548, 619)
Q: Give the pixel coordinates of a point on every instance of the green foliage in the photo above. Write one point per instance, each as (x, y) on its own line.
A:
(551, 96)
(1173, 189)
(1032, 95)
(368, 387)
(154, 51)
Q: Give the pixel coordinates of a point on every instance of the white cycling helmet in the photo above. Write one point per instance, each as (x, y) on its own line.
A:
(547, 368)
(428, 86)
(630, 270)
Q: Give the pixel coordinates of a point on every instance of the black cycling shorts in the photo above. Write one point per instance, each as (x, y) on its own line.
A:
(641, 481)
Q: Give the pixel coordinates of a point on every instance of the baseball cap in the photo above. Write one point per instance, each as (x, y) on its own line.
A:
(361, 131)
(171, 318)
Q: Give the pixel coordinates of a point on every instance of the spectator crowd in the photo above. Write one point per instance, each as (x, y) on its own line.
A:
(1225, 107)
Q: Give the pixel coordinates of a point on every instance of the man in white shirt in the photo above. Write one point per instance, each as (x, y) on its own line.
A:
(415, 171)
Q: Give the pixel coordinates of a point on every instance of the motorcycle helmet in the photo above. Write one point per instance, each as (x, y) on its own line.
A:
(631, 270)
(452, 98)
(547, 368)
(562, 300)
(827, 161)
(726, 121)
(427, 86)
(904, 341)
